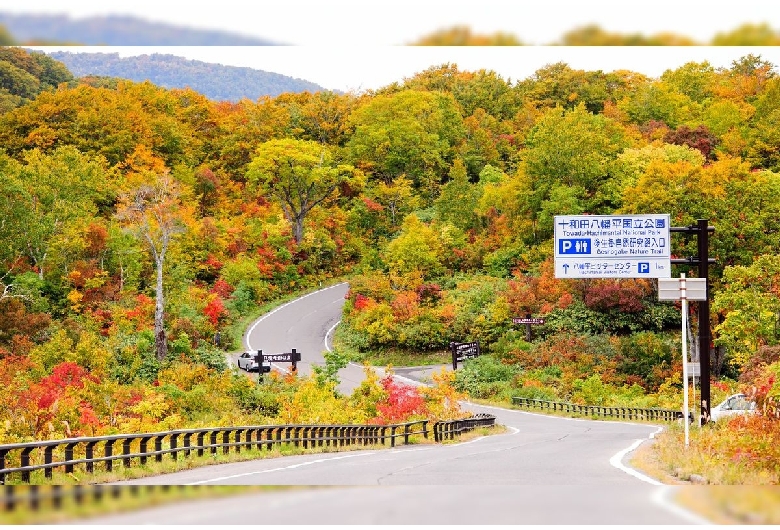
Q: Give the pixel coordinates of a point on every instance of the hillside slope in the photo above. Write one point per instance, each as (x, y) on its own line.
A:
(115, 31)
(215, 81)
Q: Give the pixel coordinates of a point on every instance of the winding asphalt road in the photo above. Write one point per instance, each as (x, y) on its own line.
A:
(542, 470)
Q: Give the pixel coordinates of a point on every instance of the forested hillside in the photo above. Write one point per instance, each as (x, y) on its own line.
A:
(434, 196)
(215, 81)
(45, 29)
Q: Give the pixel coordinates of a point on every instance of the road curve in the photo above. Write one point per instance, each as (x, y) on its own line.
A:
(302, 324)
(542, 470)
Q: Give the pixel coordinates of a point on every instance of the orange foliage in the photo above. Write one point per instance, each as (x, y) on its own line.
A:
(406, 305)
(540, 294)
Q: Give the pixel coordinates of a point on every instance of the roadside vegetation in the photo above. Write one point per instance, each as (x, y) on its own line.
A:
(141, 228)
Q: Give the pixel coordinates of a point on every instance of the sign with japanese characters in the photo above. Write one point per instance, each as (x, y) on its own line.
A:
(612, 246)
(527, 320)
(462, 351)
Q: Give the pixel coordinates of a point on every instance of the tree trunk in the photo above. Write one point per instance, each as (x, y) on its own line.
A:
(160, 343)
(298, 228)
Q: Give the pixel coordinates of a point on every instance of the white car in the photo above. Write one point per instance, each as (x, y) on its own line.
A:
(731, 406)
(248, 361)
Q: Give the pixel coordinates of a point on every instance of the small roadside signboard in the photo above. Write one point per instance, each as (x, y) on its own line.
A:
(612, 246)
(462, 351)
(682, 288)
(287, 357)
(529, 321)
(694, 370)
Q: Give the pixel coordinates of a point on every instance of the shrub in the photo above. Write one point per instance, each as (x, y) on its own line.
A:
(485, 376)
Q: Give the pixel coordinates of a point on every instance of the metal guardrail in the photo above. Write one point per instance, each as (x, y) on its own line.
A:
(447, 430)
(65, 454)
(624, 413)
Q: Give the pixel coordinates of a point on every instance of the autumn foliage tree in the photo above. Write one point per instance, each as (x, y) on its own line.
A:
(300, 175)
(153, 212)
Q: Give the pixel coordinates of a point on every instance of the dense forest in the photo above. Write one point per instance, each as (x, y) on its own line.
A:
(138, 221)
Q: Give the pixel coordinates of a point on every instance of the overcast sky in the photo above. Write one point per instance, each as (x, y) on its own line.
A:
(393, 22)
(355, 44)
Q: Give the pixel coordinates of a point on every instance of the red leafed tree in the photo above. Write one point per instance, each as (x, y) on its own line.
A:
(627, 295)
(402, 402)
(215, 310)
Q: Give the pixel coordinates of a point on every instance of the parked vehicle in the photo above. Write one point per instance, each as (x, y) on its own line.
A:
(248, 361)
(731, 406)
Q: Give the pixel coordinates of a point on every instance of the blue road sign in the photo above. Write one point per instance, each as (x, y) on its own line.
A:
(612, 246)
(574, 246)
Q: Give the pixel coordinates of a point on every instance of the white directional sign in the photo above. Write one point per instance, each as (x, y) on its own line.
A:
(612, 246)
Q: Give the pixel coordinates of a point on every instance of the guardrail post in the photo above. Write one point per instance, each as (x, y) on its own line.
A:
(90, 454)
(144, 446)
(24, 460)
(69, 457)
(237, 439)
(47, 459)
(225, 441)
(174, 444)
(187, 444)
(108, 451)
(3, 452)
(126, 451)
(213, 442)
(158, 448)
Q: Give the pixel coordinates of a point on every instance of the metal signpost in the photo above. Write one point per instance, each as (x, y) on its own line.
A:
(683, 289)
(634, 246)
(612, 246)
(462, 351)
(702, 232)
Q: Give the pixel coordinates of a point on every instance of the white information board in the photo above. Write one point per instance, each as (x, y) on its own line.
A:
(612, 246)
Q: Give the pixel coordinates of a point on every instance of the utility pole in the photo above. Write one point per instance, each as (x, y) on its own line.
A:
(701, 230)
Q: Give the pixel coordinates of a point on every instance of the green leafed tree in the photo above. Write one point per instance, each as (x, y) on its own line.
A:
(750, 309)
(572, 148)
(410, 133)
(300, 175)
(56, 190)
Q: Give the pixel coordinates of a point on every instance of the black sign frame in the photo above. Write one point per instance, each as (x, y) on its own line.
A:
(462, 351)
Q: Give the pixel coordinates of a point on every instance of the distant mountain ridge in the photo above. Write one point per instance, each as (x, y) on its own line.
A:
(215, 81)
(115, 30)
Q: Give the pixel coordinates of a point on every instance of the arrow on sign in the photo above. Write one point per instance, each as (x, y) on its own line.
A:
(566, 268)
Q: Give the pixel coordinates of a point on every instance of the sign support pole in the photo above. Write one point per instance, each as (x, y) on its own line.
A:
(704, 321)
(684, 299)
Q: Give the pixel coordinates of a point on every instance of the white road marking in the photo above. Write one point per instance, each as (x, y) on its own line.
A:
(292, 466)
(248, 333)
